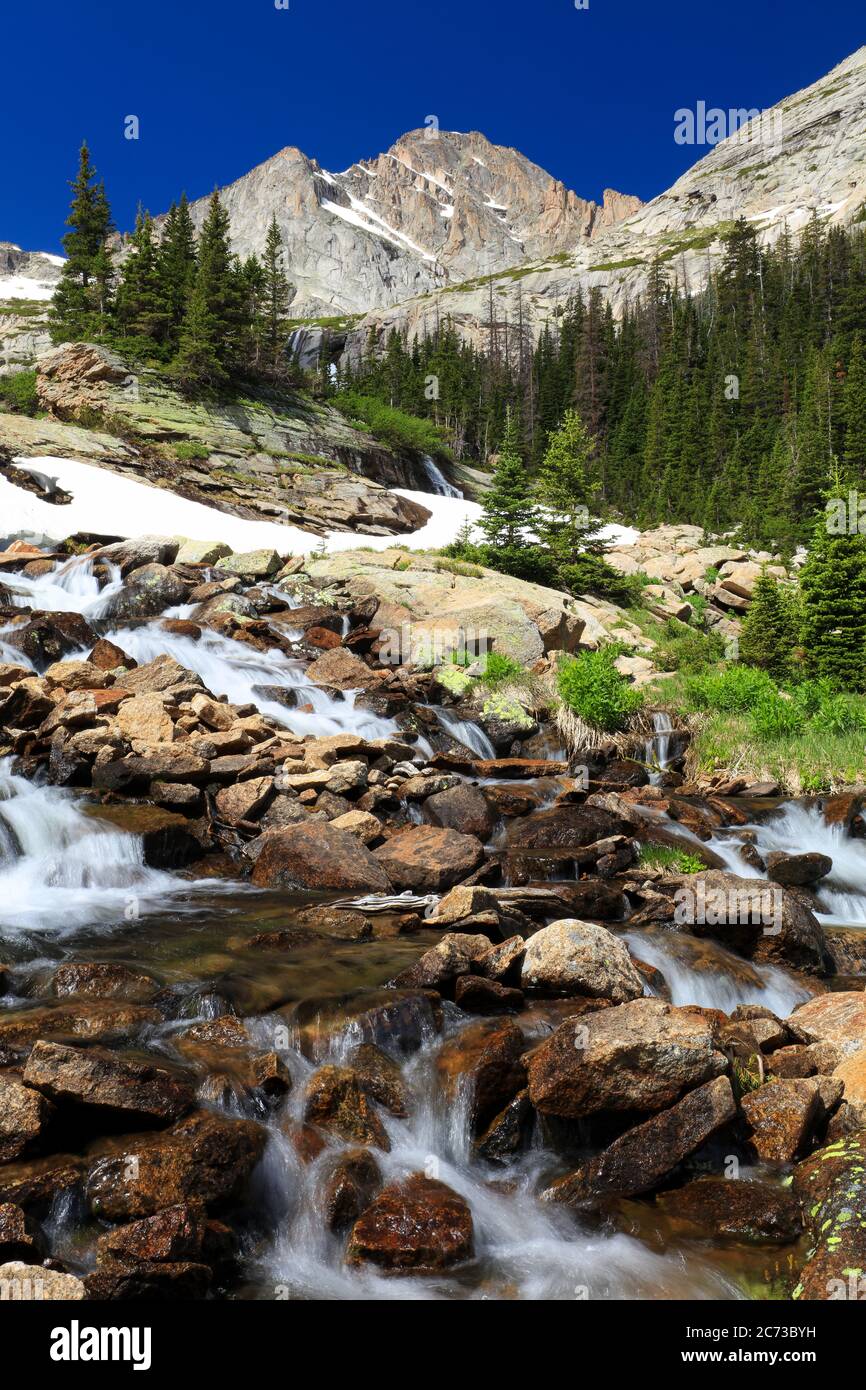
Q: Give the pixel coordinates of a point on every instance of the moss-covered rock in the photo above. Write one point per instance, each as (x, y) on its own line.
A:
(831, 1186)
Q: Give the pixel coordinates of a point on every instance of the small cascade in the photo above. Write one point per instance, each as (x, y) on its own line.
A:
(439, 484)
(657, 746)
(71, 587)
(710, 977)
(237, 671)
(60, 868)
(524, 1248)
(465, 731)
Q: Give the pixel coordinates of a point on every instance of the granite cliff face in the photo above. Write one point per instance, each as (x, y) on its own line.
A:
(434, 210)
(804, 156)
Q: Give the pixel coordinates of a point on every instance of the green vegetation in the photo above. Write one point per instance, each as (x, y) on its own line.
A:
(188, 305)
(674, 861)
(392, 426)
(592, 688)
(191, 449)
(499, 668)
(18, 393)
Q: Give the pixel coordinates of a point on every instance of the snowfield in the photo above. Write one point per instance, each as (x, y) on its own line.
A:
(112, 505)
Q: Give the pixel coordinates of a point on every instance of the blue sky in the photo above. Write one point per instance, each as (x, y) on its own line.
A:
(219, 86)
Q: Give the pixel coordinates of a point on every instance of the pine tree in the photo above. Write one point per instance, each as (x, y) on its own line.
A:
(507, 509)
(854, 413)
(565, 492)
(142, 313)
(833, 588)
(82, 300)
(770, 630)
(274, 298)
(177, 265)
(208, 341)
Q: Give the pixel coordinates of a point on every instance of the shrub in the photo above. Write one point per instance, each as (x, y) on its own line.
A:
(735, 690)
(775, 717)
(770, 628)
(18, 393)
(677, 861)
(390, 425)
(683, 648)
(591, 686)
(591, 574)
(191, 449)
(499, 668)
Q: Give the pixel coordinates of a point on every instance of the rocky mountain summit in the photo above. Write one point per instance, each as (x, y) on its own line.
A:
(435, 209)
(804, 156)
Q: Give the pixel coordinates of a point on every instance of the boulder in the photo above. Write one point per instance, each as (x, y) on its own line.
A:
(147, 592)
(637, 1056)
(479, 996)
(439, 967)
(49, 637)
(205, 1158)
(27, 1283)
(245, 801)
(712, 1208)
(24, 1114)
(349, 1188)
(573, 957)
(427, 859)
(795, 870)
(839, 1019)
(831, 1187)
(642, 1157)
(175, 1233)
(380, 1077)
(462, 808)
(251, 564)
(783, 1116)
(336, 1101)
(418, 1226)
(317, 856)
(201, 552)
(362, 824)
(482, 1066)
(20, 1237)
(105, 1083)
(146, 718)
(342, 670)
(97, 1020)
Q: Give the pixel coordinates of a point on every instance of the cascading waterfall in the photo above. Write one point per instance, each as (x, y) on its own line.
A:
(439, 484)
(732, 981)
(60, 868)
(523, 1248)
(235, 670)
(465, 731)
(71, 587)
(657, 746)
(795, 828)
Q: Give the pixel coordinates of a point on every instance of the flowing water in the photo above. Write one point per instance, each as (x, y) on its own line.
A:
(72, 888)
(439, 484)
(657, 746)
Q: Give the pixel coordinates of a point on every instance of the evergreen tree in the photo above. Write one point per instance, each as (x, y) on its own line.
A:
(82, 299)
(507, 509)
(854, 413)
(208, 340)
(177, 265)
(274, 298)
(770, 631)
(142, 312)
(833, 588)
(565, 492)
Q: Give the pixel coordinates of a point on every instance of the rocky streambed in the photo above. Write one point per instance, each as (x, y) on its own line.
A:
(317, 980)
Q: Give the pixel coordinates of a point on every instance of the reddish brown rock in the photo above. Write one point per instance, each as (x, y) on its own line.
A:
(783, 1115)
(102, 1081)
(637, 1056)
(714, 1207)
(419, 1226)
(643, 1156)
(204, 1158)
(336, 1101)
(102, 980)
(175, 1233)
(24, 1114)
(462, 808)
(482, 1064)
(479, 996)
(318, 856)
(426, 859)
(349, 1188)
(831, 1188)
(20, 1237)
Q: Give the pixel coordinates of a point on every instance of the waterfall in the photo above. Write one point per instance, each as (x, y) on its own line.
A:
(71, 587)
(527, 1249)
(465, 731)
(731, 981)
(657, 746)
(439, 484)
(60, 868)
(235, 670)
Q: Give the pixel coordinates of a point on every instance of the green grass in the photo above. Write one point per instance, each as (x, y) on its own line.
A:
(191, 449)
(619, 265)
(18, 393)
(675, 861)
